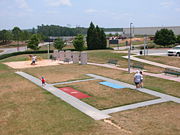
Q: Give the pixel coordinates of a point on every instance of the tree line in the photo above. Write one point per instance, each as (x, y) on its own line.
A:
(15, 34)
(96, 39)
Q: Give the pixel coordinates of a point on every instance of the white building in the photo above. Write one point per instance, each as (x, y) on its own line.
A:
(150, 30)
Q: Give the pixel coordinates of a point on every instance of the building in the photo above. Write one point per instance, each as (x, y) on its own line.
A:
(150, 30)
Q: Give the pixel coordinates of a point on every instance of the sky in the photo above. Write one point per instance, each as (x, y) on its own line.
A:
(27, 14)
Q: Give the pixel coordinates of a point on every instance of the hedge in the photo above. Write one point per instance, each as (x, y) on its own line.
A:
(24, 52)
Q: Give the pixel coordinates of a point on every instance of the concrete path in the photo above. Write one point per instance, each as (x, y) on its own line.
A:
(11, 50)
(151, 62)
(163, 76)
(144, 90)
(134, 106)
(73, 81)
(93, 112)
(78, 104)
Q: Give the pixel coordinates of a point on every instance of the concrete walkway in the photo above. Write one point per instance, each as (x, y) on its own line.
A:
(163, 76)
(78, 104)
(151, 62)
(134, 106)
(93, 112)
(73, 81)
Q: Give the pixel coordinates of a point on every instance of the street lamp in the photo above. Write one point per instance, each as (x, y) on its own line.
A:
(129, 51)
(49, 44)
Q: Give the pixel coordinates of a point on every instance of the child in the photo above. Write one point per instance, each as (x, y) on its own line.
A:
(43, 81)
(141, 79)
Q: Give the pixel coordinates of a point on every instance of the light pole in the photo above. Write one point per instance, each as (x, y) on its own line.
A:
(129, 51)
(49, 44)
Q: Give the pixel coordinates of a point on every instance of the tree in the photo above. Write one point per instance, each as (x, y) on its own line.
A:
(178, 39)
(34, 42)
(25, 35)
(164, 37)
(103, 40)
(16, 35)
(79, 43)
(5, 36)
(59, 44)
(90, 36)
(96, 38)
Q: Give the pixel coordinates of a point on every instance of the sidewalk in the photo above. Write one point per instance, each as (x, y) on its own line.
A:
(151, 62)
(93, 112)
(177, 79)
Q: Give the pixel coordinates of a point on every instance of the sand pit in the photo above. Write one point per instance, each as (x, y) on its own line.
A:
(27, 64)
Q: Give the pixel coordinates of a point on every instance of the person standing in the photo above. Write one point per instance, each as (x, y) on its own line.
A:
(141, 84)
(33, 60)
(137, 79)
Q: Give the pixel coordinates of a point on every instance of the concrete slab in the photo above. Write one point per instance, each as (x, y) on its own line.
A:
(73, 81)
(134, 106)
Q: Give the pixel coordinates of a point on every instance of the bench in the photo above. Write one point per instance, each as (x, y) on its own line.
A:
(137, 65)
(172, 71)
(111, 61)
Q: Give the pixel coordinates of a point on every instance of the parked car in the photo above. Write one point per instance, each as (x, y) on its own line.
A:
(175, 51)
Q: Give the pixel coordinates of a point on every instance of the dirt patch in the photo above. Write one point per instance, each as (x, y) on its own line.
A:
(133, 39)
(27, 64)
(160, 119)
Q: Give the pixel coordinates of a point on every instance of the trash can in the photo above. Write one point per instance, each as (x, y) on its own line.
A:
(141, 52)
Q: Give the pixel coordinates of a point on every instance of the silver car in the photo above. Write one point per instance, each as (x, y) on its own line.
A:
(175, 51)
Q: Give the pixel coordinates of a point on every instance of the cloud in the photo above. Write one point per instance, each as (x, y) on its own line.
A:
(89, 11)
(177, 9)
(22, 4)
(167, 4)
(57, 3)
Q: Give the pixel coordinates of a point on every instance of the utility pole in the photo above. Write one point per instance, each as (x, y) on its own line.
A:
(129, 51)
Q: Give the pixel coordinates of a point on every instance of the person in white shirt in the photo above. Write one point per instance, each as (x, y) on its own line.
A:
(33, 60)
(137, 79)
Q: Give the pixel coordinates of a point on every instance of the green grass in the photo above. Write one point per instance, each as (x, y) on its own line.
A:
(28, 109)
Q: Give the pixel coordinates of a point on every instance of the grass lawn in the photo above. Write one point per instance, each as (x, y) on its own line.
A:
(103, 97)
(52, 47)
(63, 73)
(172, 61)
(160, 119)
(102, 56)
(27, 109)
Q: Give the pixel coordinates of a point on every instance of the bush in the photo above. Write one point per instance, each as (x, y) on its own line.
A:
(79, 43)
(164, 37)
(178, 39)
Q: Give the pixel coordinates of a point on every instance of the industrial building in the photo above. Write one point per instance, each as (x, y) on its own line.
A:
(149, 30)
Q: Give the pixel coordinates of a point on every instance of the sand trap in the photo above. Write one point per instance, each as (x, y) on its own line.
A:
(27, 64)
